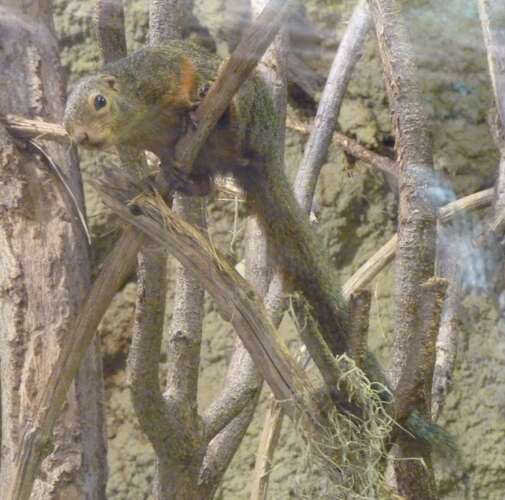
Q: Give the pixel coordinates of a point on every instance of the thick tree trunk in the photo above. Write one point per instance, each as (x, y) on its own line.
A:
(44, 272)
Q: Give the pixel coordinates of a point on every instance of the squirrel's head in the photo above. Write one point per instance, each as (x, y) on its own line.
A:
(92, 112)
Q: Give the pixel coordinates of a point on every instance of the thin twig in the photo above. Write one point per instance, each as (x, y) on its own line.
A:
(269, 439)
(353, 148)
(35, 129)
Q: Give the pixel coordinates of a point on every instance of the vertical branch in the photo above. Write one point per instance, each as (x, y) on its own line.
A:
(359, 311)
(185, 336)
(449, 268)
(166, 20)
(415, 255)
(176, 473)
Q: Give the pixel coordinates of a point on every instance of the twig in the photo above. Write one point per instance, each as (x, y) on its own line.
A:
(269, 439)
(359, 311)
(237, 69)
(371, 268)
(35, 129)
(353, 148)
(474, 201)
(316, 148)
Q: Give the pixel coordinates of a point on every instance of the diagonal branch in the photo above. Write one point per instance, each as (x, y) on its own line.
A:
(233, 295)
(316, 149)
(237, 69)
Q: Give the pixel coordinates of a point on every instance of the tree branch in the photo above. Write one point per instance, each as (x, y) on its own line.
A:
(380, 259)
(348, 53)
(415, 256)
(233, 74)
(233, 295)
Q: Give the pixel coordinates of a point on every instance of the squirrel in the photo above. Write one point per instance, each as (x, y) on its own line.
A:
(146, 99)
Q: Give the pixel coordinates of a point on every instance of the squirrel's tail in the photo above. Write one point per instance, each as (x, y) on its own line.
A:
(294, 245)
(295, 249)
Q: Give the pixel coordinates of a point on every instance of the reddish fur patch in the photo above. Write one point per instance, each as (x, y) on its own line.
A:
(184, 93)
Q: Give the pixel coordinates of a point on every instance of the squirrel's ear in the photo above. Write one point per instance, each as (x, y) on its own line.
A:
(111, 81)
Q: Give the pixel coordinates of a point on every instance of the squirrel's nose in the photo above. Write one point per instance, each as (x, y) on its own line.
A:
(80, 136)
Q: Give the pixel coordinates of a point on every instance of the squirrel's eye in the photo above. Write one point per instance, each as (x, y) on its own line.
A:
(99, 102)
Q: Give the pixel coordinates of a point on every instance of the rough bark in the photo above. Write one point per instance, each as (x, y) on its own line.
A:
(415, 255)
(45, 275)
